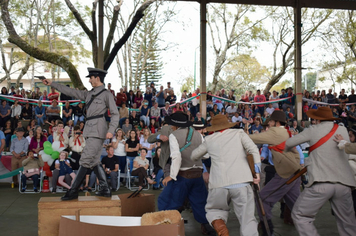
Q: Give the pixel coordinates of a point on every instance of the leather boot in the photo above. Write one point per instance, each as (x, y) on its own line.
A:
(73, 191)
(220, 227)
(103, 184)
(270, 225)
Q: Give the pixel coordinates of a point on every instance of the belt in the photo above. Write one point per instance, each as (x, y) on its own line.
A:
(191, 173)
(95, 117)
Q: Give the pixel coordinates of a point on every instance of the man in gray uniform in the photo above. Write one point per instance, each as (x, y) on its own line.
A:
(97, 102)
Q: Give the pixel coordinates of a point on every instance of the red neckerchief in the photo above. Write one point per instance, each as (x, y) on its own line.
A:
(222, 130)
(280, 147)
(61, 145)
(75, 141)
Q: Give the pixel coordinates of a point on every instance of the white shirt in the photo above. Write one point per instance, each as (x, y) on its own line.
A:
(15, 110)
(147, 145)
(120, 150)
(235, 119)
(230, 110)
(269, 110)
(177, 157)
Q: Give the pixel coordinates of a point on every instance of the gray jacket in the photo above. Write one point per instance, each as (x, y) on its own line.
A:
(327, 163)
(95, 128)
(165, 151)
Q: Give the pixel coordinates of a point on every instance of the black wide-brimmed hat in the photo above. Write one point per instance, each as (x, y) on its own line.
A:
(278, 116)
(96, 72)
(198, 125)
(179, 119)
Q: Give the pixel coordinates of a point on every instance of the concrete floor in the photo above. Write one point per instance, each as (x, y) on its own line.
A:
(18, 216)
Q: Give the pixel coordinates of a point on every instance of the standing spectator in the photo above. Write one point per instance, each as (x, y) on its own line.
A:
(343, 96)
(36, 143)
(121, 98)
(274, 96)
(111, 166)
(12, 91)
(260, 98)
(290, 101)
(19, 148)
(145, 113)
(65, 97)
(169, 88)
(31, 168)
(78, 113)
(118, 143)
(352, 96)
(53, 95)
(231, 95)
(171, 98)
(40, 113)
(124, 113)
(4, 91)
(148, 96)
(15, 113)
(44, 96)
(138, 98)
(161, 97)
(18, 94)
(111, 90)
(53, 111)
(26, 112)
(36, 93)
(130, 99)
(166, 111)
(194, 109)
(153, 89)
(330, 97)
(8, 131)
(67, 113)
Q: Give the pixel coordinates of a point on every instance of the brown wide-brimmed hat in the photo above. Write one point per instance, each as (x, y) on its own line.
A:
(220, 122)
(322, 113)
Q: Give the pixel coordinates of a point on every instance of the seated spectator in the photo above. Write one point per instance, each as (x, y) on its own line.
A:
(153, 126)
(26, 112)
(31, 168)
(247, 122)
(81, 125)
(40, 113)
(118, 143)
(161, 96)
(145, 113)
(156, 113)
(199, 118)
(68, 129)
(8, 131)
(256, 127)
(237, 119)
(352, 115)
(296, 127)
(63, 165)
(18, 148)
(15, 113)
(111, 166)
(171, 98)
(67, 112)
(31, 125)
(29, 135)
(124, 113)
(130, 99)
(138, 99)
(140, 166)
(53, 111)
(76, 144)
(78, 113)
(145, 144)
(5, 113)
(126, 127)
(134, 119)
(215, 110)
(36, 143)
(270, 109)
(166, 111)
(157, 171)
(60, 136)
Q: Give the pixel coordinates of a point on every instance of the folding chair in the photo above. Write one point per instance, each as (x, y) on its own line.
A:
(40, 179)
(129, 176)
(108, 177)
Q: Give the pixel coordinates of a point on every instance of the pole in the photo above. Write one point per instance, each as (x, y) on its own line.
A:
(101, 35)
(298, 58)
(195, 66)
(203, 57)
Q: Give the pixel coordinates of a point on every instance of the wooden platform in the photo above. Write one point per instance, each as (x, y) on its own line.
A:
(50, 210)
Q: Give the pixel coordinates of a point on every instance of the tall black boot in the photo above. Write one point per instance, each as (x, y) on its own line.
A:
(103, 184)
(73, 191)
(270, 226)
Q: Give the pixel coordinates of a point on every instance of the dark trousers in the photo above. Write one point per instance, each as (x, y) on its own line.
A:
(176, 192)
(8, 140)
(3, 120)
(55, 175)
(122, 165)
(34, 179)
(141, 173)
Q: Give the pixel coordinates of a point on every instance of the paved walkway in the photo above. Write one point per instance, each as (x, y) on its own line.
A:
(18, 216)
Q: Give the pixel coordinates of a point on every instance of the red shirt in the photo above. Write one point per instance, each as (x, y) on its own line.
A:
(260, 98)
(51, 94)
(120, 98)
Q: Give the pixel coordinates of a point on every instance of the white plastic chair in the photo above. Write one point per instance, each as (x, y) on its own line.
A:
(129, 176)
(30, 179)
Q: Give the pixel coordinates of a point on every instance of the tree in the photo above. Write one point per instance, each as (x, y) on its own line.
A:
(230, 27)
(187, 84)
(62, 61)
(311, 80)
(283, 36)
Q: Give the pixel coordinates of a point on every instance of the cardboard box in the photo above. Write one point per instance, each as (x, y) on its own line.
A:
(50, 210)
(115, 226)
(137, 206)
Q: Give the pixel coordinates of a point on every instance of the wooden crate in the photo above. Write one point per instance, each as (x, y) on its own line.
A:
(50, 210)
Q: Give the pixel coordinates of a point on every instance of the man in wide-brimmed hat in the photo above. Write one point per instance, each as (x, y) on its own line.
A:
(185, 179)
(285, 164)
(330, 176)
(230, 176)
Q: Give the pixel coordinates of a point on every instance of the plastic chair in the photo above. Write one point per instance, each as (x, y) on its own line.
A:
(30, 179)
(129, 176)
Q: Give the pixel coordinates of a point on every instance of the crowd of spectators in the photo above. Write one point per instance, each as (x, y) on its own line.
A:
(142, 114)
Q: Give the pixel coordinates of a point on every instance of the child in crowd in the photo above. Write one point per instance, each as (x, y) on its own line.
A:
(60, 135)
(63, 165)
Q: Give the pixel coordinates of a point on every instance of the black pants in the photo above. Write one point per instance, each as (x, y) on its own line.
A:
(141, 173)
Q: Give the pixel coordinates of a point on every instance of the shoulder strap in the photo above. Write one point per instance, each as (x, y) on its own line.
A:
(188, 139)
(93, 96)
(324, 139)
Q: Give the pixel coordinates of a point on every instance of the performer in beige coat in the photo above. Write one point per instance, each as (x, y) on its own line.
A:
(230, 176)
(330, 177)
(286, 164)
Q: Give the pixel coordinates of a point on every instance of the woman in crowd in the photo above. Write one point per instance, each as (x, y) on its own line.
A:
(274, 96)
(148, 97)
(131, 99)
(15, 113)
(40, 113)
(8, 131)
(140, 166)
(156, 113)
(126, 127)
(217, 101)
(132, 146)
(44, 96)
(145, 144)
(157, 170)
(177, 107)
(134, 119)
(145, 113)
(31, 168)
(29, 136)
(118, 143)
(68, 129)
(138, 99)
(247, 122)
(36, 144)
(323, 96)
(67, 113)
(216, 111)
(78, 113)
(26, 112)
(32, 125)
(166, 111)
(153, 127)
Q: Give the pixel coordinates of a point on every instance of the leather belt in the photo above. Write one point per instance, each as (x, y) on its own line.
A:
(191, 173)
(95, 117)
